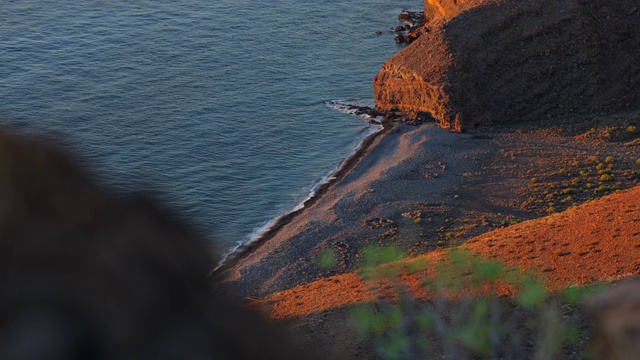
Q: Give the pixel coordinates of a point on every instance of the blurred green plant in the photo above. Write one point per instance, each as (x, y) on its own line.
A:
(476, 308)
(326, 259)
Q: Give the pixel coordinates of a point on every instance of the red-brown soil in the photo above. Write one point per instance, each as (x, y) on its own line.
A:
(497, 61)
(595, 242)
(447, 9)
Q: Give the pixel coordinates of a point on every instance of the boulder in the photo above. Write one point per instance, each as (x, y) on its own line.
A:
(616, 316)
(405, 17)
(90, 275)
(494, 62)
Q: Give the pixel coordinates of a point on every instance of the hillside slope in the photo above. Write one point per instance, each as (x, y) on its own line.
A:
(597, 241)
(489, 62)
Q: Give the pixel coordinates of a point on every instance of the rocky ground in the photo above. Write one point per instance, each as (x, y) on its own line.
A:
(421, 188)
(424, 189)
(595, 242)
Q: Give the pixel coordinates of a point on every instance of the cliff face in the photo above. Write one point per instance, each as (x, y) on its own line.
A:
(502, 61)
(447, 8)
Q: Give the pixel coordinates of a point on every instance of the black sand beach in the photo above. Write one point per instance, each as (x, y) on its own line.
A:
(459, 185)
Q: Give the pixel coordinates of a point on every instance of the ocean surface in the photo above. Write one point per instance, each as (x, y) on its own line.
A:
(218, 107)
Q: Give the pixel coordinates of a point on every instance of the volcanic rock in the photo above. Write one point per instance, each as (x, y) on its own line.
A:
(447, 8)
(503, 61)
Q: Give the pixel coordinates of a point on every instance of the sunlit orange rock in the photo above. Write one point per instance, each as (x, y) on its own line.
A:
(490, 62)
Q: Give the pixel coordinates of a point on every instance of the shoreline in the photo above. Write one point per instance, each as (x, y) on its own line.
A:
(459, 185)
(334, 178)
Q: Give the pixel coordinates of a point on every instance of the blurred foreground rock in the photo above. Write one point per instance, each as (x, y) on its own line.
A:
(617, 321)
(87, 276)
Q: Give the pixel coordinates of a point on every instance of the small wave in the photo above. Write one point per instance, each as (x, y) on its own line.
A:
(356, 107)
(254, 236)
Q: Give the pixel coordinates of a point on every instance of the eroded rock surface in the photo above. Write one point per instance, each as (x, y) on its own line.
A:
(447, 8)
(490, 62)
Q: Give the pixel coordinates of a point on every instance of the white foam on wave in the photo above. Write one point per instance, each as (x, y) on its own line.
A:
(354, 107)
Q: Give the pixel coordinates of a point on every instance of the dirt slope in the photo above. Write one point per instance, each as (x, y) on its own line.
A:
(598, 241)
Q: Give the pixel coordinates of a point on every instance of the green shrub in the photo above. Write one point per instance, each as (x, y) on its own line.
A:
(326, 259)
(606, 177)
(464, 318)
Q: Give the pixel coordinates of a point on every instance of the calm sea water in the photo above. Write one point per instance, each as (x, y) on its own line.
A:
(217, 106)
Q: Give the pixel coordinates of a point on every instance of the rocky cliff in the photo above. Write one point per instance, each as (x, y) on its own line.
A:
(502, 61)
(447, 8)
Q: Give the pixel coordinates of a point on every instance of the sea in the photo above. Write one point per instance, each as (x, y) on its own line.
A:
(223, 109)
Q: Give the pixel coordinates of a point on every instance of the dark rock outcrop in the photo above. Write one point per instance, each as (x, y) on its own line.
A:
(503, 61)
(412, 28)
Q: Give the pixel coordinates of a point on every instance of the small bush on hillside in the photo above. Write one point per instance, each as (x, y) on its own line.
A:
(474, 308)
